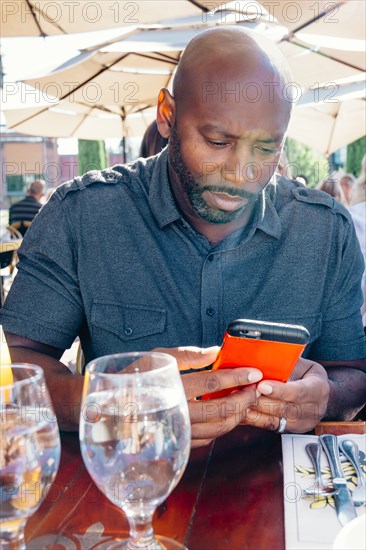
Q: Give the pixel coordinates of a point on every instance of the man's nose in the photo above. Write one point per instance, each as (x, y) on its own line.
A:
(239, 168)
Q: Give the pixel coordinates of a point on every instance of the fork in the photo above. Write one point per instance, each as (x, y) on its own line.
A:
(350, 450)
(318, 489)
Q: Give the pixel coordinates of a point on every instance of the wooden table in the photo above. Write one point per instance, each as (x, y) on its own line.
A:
(230, 497)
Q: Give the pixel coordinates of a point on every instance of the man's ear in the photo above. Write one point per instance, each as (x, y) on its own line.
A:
(165, 116)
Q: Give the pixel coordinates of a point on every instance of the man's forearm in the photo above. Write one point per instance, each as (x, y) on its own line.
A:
(64, 387)
(347, 393)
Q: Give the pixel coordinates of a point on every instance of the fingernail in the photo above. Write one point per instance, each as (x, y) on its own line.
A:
(265, 388)
(255, 376)
(257, 393)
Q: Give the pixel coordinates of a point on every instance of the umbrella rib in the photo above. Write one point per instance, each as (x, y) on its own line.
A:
(43, 34)
(35, 8)
(106, 110)
(313, 20)
(107, 43)
(101, 71)
(164, 58)
(331, 134)
(199, 6)
(81, 122)
(105, 68)
(319, 52)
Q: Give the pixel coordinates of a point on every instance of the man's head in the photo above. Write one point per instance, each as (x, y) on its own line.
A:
(346, 181)
(226, 123)
(332, 186)
(37, 189)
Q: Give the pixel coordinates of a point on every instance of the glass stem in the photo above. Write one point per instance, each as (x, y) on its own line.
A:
(11, 539)
(141, 532)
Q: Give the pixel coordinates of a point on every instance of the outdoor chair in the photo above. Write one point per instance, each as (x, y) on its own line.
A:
(8, 256)
(20, 227)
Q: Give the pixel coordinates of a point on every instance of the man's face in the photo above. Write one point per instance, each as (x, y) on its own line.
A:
(198, 193)
(223, 153)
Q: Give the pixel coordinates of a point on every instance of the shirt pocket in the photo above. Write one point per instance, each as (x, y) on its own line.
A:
(128, 321)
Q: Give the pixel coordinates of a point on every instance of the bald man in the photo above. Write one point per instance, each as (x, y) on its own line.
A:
(26, 209)
(163, 253)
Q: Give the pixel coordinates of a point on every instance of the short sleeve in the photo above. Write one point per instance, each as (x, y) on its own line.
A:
(44, 302)
(342, 336)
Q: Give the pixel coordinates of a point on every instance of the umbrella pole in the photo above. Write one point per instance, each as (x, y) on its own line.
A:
(124, 152)
(123, 140)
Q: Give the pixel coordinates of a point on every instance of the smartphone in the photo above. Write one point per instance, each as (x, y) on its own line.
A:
(273, 348)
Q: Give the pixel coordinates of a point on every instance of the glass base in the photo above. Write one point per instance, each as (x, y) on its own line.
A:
(162, 543)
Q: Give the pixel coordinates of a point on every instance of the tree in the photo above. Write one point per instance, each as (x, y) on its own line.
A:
(306, 161)
(355, 154)
(92, 155)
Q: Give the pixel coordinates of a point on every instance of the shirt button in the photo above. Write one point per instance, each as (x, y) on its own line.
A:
(210, 257)
(210, 312)
(303, 193)
(128, 331)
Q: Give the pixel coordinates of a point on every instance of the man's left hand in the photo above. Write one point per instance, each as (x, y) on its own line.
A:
(302, 401)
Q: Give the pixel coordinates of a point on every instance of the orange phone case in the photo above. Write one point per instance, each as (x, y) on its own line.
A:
(276, 359)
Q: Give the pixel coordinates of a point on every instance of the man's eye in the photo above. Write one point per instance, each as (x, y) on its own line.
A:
(267, 151)
(217, 144)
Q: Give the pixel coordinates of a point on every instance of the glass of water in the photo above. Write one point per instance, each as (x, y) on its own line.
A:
(29, 450)
(135, 436)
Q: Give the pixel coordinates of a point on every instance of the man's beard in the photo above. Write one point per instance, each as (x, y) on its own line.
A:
(194, 191)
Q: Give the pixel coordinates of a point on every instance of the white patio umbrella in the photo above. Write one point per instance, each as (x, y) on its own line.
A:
(66, 119)
(324, 31)
(336, 118)
(344, 19)
(45, 18)
(327, 127)
(119, 82)
(114, 103)
(133, 65)
(100, 76)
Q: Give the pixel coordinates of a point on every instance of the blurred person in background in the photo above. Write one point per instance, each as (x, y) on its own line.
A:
(49, 194)
(346, 182)
(26, 209)
(152, 142)
(332, 186)
(358, 213)
(284, 166)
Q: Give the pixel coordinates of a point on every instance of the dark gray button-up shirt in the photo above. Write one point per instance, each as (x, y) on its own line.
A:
(111, 259)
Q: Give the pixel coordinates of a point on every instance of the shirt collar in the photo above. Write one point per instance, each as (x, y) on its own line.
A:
(165, 211)
(161, 198)
(268, 219)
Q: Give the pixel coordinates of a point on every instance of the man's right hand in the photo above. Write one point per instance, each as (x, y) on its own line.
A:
(216, 417)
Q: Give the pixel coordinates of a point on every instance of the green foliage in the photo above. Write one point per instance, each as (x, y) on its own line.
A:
(92, 155)
(355, 153)
(306, 161)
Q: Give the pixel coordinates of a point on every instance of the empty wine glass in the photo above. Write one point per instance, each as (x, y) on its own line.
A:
(135, 436)
(29, 452)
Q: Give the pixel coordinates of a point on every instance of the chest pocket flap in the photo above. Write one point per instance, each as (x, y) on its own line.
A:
(128, 321)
